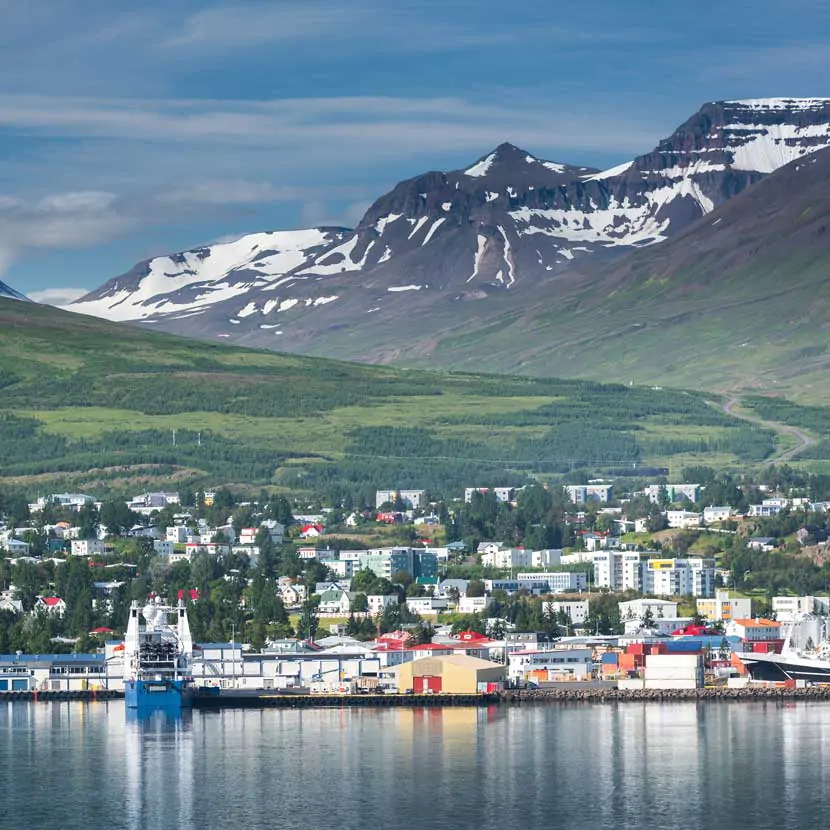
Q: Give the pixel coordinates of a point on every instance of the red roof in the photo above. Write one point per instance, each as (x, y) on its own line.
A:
(468, 636)
(431, 647)
(51, 601)
(101, 630)
(306, 528)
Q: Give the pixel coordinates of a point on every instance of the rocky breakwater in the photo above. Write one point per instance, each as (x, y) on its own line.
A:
(612, 695)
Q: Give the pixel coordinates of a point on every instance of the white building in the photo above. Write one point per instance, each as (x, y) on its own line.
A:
(680, 577)
(583, 493)
(558, 664)
(162, 547)
(502, 494)
(378, 603)
(87, 547)
(426, 605)
(618, 570)
(675, 492)
(764, 510)
(472, 605)
(662, 626)
(723, 608)
(549, 558)
(717, 514)
(636, 609)
(558, 582)
(576, 610)
(683, 519)
(15, 547)
(792, 608)
(507, 558)
(412, 499)
(70, 501)
(177, 534)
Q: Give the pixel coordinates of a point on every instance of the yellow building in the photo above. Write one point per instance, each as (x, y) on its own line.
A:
(454, 674)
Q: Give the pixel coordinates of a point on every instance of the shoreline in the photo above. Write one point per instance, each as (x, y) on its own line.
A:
(519, 697)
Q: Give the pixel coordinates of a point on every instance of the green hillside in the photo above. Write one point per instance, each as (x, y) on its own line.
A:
(85, 403)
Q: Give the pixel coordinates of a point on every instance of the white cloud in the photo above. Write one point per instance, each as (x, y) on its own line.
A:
(85, 201)
(57, 296)
(223, 192)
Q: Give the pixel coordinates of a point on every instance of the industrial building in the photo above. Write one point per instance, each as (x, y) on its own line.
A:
(453, 674)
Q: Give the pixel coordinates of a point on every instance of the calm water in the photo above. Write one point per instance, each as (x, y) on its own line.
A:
(630, 766)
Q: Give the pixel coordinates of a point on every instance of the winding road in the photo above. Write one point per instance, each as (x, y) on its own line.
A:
(805, 439)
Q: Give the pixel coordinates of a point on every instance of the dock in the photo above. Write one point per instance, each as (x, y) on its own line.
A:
(266, 699)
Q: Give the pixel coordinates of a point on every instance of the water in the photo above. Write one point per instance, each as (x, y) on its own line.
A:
(662, 767)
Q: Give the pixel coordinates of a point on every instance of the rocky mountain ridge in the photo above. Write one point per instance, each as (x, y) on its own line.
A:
(465, 237)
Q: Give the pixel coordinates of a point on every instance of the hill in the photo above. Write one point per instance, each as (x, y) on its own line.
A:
(497, 262)
(91, 404)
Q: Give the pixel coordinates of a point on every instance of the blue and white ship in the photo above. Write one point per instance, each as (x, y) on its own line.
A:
(158, 655)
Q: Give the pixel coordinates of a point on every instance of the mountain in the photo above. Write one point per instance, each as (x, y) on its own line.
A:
(94, 405)
(10, 293)
(444, 252)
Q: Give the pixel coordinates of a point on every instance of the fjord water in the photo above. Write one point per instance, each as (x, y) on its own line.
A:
(663, 767)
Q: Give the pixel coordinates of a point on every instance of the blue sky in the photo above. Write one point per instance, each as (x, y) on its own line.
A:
(129, 130)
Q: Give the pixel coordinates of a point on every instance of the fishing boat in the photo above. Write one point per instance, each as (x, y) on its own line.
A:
(158, 653)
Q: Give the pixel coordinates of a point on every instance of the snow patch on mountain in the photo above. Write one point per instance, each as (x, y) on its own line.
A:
(481, 168)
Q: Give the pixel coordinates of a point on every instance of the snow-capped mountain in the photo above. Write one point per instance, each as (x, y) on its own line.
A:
(10, 293)
(508, 220)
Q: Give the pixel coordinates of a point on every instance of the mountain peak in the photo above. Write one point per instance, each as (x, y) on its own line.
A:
(509, 156)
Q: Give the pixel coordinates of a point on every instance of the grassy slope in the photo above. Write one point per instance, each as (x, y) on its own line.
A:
(105, 399)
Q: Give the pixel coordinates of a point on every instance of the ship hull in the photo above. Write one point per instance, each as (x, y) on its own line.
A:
(158, 694)
(777, 668)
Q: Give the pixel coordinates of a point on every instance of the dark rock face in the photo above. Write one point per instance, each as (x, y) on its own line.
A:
(509, 220)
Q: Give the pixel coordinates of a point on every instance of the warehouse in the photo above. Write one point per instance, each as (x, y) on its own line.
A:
(454, 674)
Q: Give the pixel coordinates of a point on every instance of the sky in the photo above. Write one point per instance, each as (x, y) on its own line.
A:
(132, 130)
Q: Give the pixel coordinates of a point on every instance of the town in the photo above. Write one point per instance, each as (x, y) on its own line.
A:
(659, 585)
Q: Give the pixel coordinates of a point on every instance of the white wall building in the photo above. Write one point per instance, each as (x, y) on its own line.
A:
(675, 492)
(576, 610)
(680, 577)
(723, 608)
(636, 609)
(502, 494)
(791, 608)
(472, 605)
(583, 493)
(683, 519)
(618, 570)
(379, 602)
(507, 558)
(87, 547)
(426, 605)
(178, 534)
(717, 514)
(559, 663)
(413, 499)
(549, 558)
(558, 582)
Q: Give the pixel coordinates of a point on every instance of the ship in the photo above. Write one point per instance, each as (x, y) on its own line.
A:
(158, 655)
(810, 665)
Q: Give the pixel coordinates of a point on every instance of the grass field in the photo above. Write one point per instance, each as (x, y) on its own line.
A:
(85, 403)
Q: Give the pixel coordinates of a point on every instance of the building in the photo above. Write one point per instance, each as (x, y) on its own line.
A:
(763, 543)
(618, 570)
(386, 562)
(724, 608)
(507, 558)
(411, 499)
(378, 603)
(673, 671)
(553, 665)
(451, 674)
(583, 493)
(549, 558)
(680, 577)
(662, 626)
(15, 547)
(683, 519)
(162, 547)
(178, 534)
(717, 514)
(335, 601)
(575, 610)
(764, 510)
(428, 605)
(502, 494)
(636, 609)
(676, 493)
(472, 605)
(792, 608)
(87, 547)
(558, 582)
(50, 605)
(757, 634)
(69, 501)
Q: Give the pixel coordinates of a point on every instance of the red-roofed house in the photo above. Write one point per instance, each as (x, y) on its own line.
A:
(757, 634)
(430, 650)
(311, 531)
(50, 605)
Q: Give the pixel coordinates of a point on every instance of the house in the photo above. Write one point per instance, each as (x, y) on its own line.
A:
(683, 519)
(595, 491)
(9, 604)
(757, 633)
(291, 593)
(763, 543)
(14, 547)
(335, 601)
(378, 603)
(637, 609)
(87, 547)
(311, 531)
(177, 534)
(723, 607)
(247, 536)
(575, 610)
(448, 588)
(674, 492)
(50, 605)
(426, 605)
(472, 605)
(717, 514)
(163, 547)
(764, 510)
